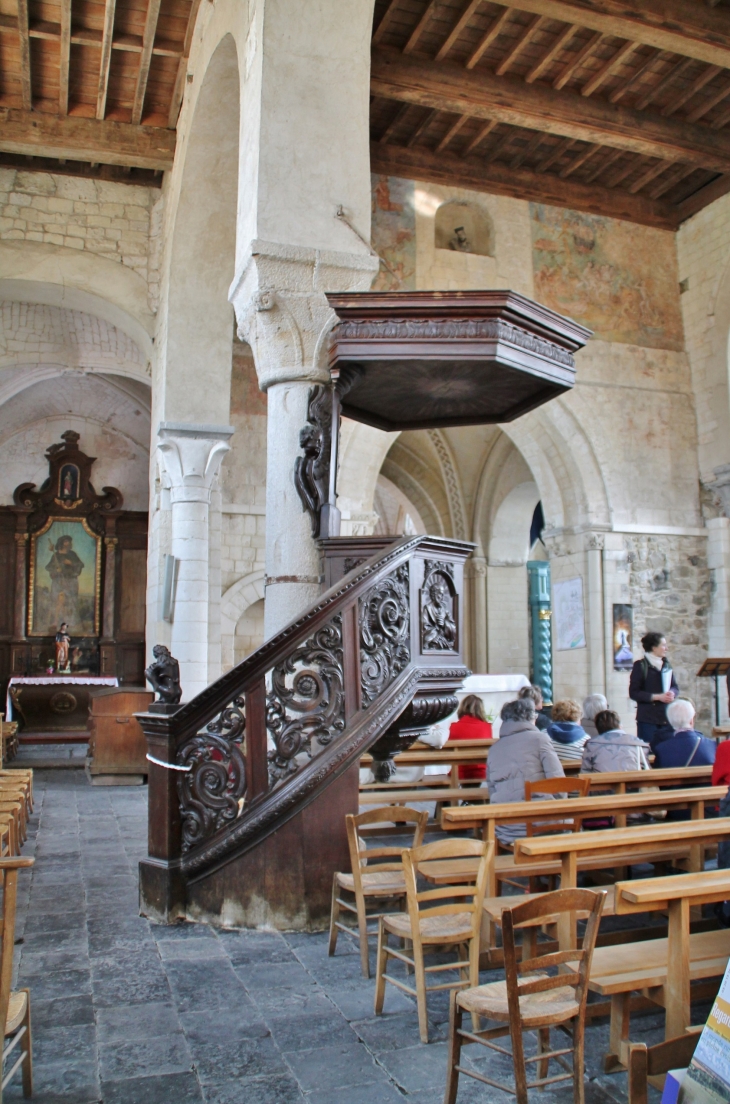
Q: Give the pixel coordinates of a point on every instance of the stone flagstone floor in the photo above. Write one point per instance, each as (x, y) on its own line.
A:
(127, 1012)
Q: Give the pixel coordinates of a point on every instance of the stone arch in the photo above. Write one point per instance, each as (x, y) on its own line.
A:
(452, 483)
(197, 316)
(239, 597)
(509, 536)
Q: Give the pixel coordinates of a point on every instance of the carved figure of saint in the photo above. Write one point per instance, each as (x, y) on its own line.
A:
(439, 627)
(63, 641)
(64, 567)
(164, 675)
(460, 242)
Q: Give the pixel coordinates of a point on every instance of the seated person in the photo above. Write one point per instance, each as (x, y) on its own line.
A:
(534, 693)
(472, 724)
(612, 749)
(521, 754)
(686, 747)
(721, 769)
(593, 704)
(566, 734)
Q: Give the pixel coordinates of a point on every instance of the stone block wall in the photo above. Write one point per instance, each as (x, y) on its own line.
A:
(118, 221)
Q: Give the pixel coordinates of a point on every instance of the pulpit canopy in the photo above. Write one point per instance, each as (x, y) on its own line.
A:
(424, 359)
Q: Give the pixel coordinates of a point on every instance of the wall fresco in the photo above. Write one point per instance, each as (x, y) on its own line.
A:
(618, 278)
(394, 233)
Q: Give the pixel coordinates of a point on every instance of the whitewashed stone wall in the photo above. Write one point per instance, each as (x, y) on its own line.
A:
(118, 221)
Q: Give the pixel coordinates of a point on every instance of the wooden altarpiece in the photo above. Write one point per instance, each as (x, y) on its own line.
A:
(46, 580)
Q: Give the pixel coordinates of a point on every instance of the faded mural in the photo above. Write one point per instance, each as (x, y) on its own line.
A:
(394, 233)
(618, 278)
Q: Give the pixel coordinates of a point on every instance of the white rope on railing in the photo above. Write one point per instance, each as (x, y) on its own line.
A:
(167, 766)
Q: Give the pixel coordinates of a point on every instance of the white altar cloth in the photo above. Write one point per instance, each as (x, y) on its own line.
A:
(55, 680)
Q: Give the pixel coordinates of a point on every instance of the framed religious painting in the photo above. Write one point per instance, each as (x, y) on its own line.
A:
(65, 577)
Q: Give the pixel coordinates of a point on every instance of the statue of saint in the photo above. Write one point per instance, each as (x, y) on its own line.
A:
(164, 675)
(64, 567)
(63, 641)
(460, 242)
(439, 627)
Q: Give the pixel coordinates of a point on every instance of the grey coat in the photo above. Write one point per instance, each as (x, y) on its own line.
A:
(614, 751)
(521, 754)
(588, 726)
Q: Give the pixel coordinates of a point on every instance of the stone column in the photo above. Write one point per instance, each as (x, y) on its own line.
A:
(479, 607)
(594, 601)
(192, 456)
(282, 312)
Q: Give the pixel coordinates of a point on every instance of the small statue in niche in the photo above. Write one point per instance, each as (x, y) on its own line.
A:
(164, 676)
(460, 242)
(63, 640)
(439, 627)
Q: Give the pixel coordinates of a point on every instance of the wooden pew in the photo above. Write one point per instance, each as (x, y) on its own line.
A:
(687, 957)
(567, 853)
(396, 796)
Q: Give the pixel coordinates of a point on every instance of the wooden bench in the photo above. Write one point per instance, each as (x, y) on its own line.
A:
(397, 796)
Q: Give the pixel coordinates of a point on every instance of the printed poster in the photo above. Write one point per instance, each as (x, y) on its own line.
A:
(568, 615)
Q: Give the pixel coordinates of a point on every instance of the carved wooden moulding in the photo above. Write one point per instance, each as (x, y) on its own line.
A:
(423, 359)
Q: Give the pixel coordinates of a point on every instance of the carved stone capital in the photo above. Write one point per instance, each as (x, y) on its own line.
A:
(595, 541)
(191, 456)
(281, 311)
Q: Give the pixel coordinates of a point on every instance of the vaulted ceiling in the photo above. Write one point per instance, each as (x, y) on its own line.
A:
(618, 107)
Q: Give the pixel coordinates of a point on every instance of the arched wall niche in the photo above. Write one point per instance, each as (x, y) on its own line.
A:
(464, 228)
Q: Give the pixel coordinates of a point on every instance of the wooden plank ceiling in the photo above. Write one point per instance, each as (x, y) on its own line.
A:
(616, 107)
(94, 88)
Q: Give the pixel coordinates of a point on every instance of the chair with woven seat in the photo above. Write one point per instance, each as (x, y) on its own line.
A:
(14, 1006)
(553, 787)
(445, 917)
(531, 999)
(377, 874)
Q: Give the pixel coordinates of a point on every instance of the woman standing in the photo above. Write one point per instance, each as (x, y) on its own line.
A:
(653, 686)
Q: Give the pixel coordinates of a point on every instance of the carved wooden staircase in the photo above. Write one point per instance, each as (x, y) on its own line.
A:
(250, 781)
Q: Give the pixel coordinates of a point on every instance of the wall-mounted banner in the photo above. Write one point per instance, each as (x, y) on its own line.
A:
(623, 637)
(568, 617)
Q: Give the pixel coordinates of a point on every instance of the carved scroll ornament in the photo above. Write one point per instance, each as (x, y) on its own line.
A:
(212, 791)
(384, 633)
(305, 708)
(311, 472)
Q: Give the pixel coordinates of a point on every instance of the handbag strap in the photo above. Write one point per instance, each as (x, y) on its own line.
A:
(694, 750)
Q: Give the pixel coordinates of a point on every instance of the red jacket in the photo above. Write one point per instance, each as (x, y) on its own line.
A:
(721, 769)
(471, 728)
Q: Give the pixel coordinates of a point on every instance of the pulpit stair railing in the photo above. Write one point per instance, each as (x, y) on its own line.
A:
(236, 762)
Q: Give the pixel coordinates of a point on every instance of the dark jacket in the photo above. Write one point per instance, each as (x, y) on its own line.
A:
(678, 749)
(542, 721)
(644, 682)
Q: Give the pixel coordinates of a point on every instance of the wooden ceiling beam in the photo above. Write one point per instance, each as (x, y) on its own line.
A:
(130, 44)
(182, 68)
(610, 66)
(578, 160)
(704, 78)
(555, 155)
(708, 193)
(106, 57)
(24, 37)
(420, 27)
(499, 178)
(540, 66)
(488, 37)
(633, 80)
(479, 137)
(395, 122)
(708, 104)
(674, 25)
(519, 44)
(576, 61)
(385, 22)
(511, 101)
(668, 79)
(458, 27)
(527, 151)
(145, 59)
(646, 177)
(678, 174)
(422, 127)
(33, 133)
(452, 132)
(603, 165)
(64, 57)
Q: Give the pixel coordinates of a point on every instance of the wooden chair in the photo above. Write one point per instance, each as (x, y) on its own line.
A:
(448, 916)
(579, 786)
(377, 875)
(530, 999)
(14, 1006)
(648, 1065)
